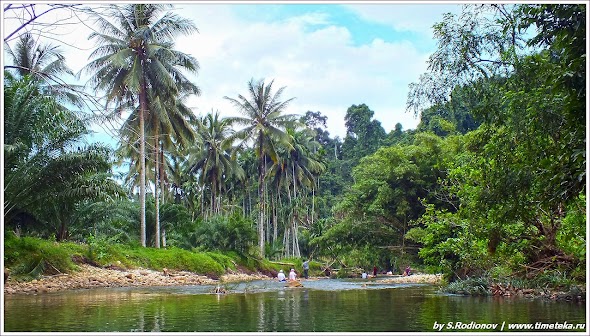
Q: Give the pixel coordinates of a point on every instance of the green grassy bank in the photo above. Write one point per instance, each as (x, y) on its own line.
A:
(29, 258)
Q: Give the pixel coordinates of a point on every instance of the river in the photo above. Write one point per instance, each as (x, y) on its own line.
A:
(325, 305)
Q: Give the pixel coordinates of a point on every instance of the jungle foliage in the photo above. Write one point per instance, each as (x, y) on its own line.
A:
(491, 182)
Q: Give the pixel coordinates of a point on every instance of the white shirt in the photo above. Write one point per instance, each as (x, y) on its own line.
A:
(292, 275)
(281, 276)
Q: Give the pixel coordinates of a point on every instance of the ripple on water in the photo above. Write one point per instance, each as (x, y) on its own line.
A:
(261, 286)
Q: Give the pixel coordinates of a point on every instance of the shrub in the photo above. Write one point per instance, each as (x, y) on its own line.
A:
(233, 233)
(469, 286)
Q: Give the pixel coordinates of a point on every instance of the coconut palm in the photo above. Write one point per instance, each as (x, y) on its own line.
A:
(168, 127)
(304, 167)
(263, 124)
(36, 59)
(172, 130)
(45, 64)
(135, 54)
(213, 158)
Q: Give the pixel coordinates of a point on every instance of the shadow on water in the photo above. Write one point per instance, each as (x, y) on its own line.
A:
(265, 305)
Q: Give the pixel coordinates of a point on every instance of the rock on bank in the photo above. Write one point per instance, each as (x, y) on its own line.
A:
(94, 277)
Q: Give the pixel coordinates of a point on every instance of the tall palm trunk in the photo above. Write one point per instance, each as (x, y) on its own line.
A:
(261, 213)
(156, 186)
(261, 175)
(162, 189)
(214, 209)
(142, 109)
(294, 227)
(276, 215)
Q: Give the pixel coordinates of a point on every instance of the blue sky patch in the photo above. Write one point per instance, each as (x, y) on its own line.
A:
(362, 31)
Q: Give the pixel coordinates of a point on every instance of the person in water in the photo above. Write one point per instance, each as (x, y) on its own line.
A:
(306, 269)
(408, 271)
(281, 276)
(292, 275)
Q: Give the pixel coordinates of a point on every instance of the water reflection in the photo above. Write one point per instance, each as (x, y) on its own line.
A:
(268, 306)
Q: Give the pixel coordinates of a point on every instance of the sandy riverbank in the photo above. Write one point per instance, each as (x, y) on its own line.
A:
(93, 277)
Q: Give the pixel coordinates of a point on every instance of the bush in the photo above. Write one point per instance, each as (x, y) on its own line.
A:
(469, 286)
(233, 233)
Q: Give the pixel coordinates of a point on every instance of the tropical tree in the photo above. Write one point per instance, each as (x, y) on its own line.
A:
(168, 128)
(135, 54)
(47, 168)
(45, 64)
(304, 167)
(526, 163)
(212, 160)
(36, 59)
(264, 125)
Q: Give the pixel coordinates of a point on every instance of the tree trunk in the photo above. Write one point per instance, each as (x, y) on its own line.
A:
(276, 216)
(313, 200)
(212, 196)
(296, 252)
(268, 216)
(156, 187)
(261, 174)
(142, 109)
(162, 189)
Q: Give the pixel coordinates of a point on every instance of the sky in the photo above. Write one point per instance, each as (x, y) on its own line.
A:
(328, 56)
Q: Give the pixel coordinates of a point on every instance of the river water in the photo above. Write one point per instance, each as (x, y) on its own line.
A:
(325, 305)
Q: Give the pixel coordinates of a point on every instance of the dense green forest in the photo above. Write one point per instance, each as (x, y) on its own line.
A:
(491, 182)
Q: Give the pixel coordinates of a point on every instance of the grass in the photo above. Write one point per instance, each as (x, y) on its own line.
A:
(29, 258)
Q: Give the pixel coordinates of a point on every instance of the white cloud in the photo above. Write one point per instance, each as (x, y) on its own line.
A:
(402, 17)
(314, 58)
(322, 68)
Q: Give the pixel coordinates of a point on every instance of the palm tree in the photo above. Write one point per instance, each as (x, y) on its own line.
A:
(213, 158)
(46, 171)
(44, 63)
(39, 60)
(304, 167)
(135, 54)
(168, 128)
(264, 125)
(172, 131)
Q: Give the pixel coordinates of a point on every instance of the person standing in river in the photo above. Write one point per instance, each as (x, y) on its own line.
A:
(306, 269)
(408, 271)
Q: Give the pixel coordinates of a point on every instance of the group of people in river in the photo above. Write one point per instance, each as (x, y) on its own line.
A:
(407, 271)
(293, 275)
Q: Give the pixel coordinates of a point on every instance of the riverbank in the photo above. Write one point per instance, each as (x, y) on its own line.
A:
(96, 277)
(433, 279)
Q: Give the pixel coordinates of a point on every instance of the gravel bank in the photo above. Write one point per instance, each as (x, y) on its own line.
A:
(414, 278)
(93, 277)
